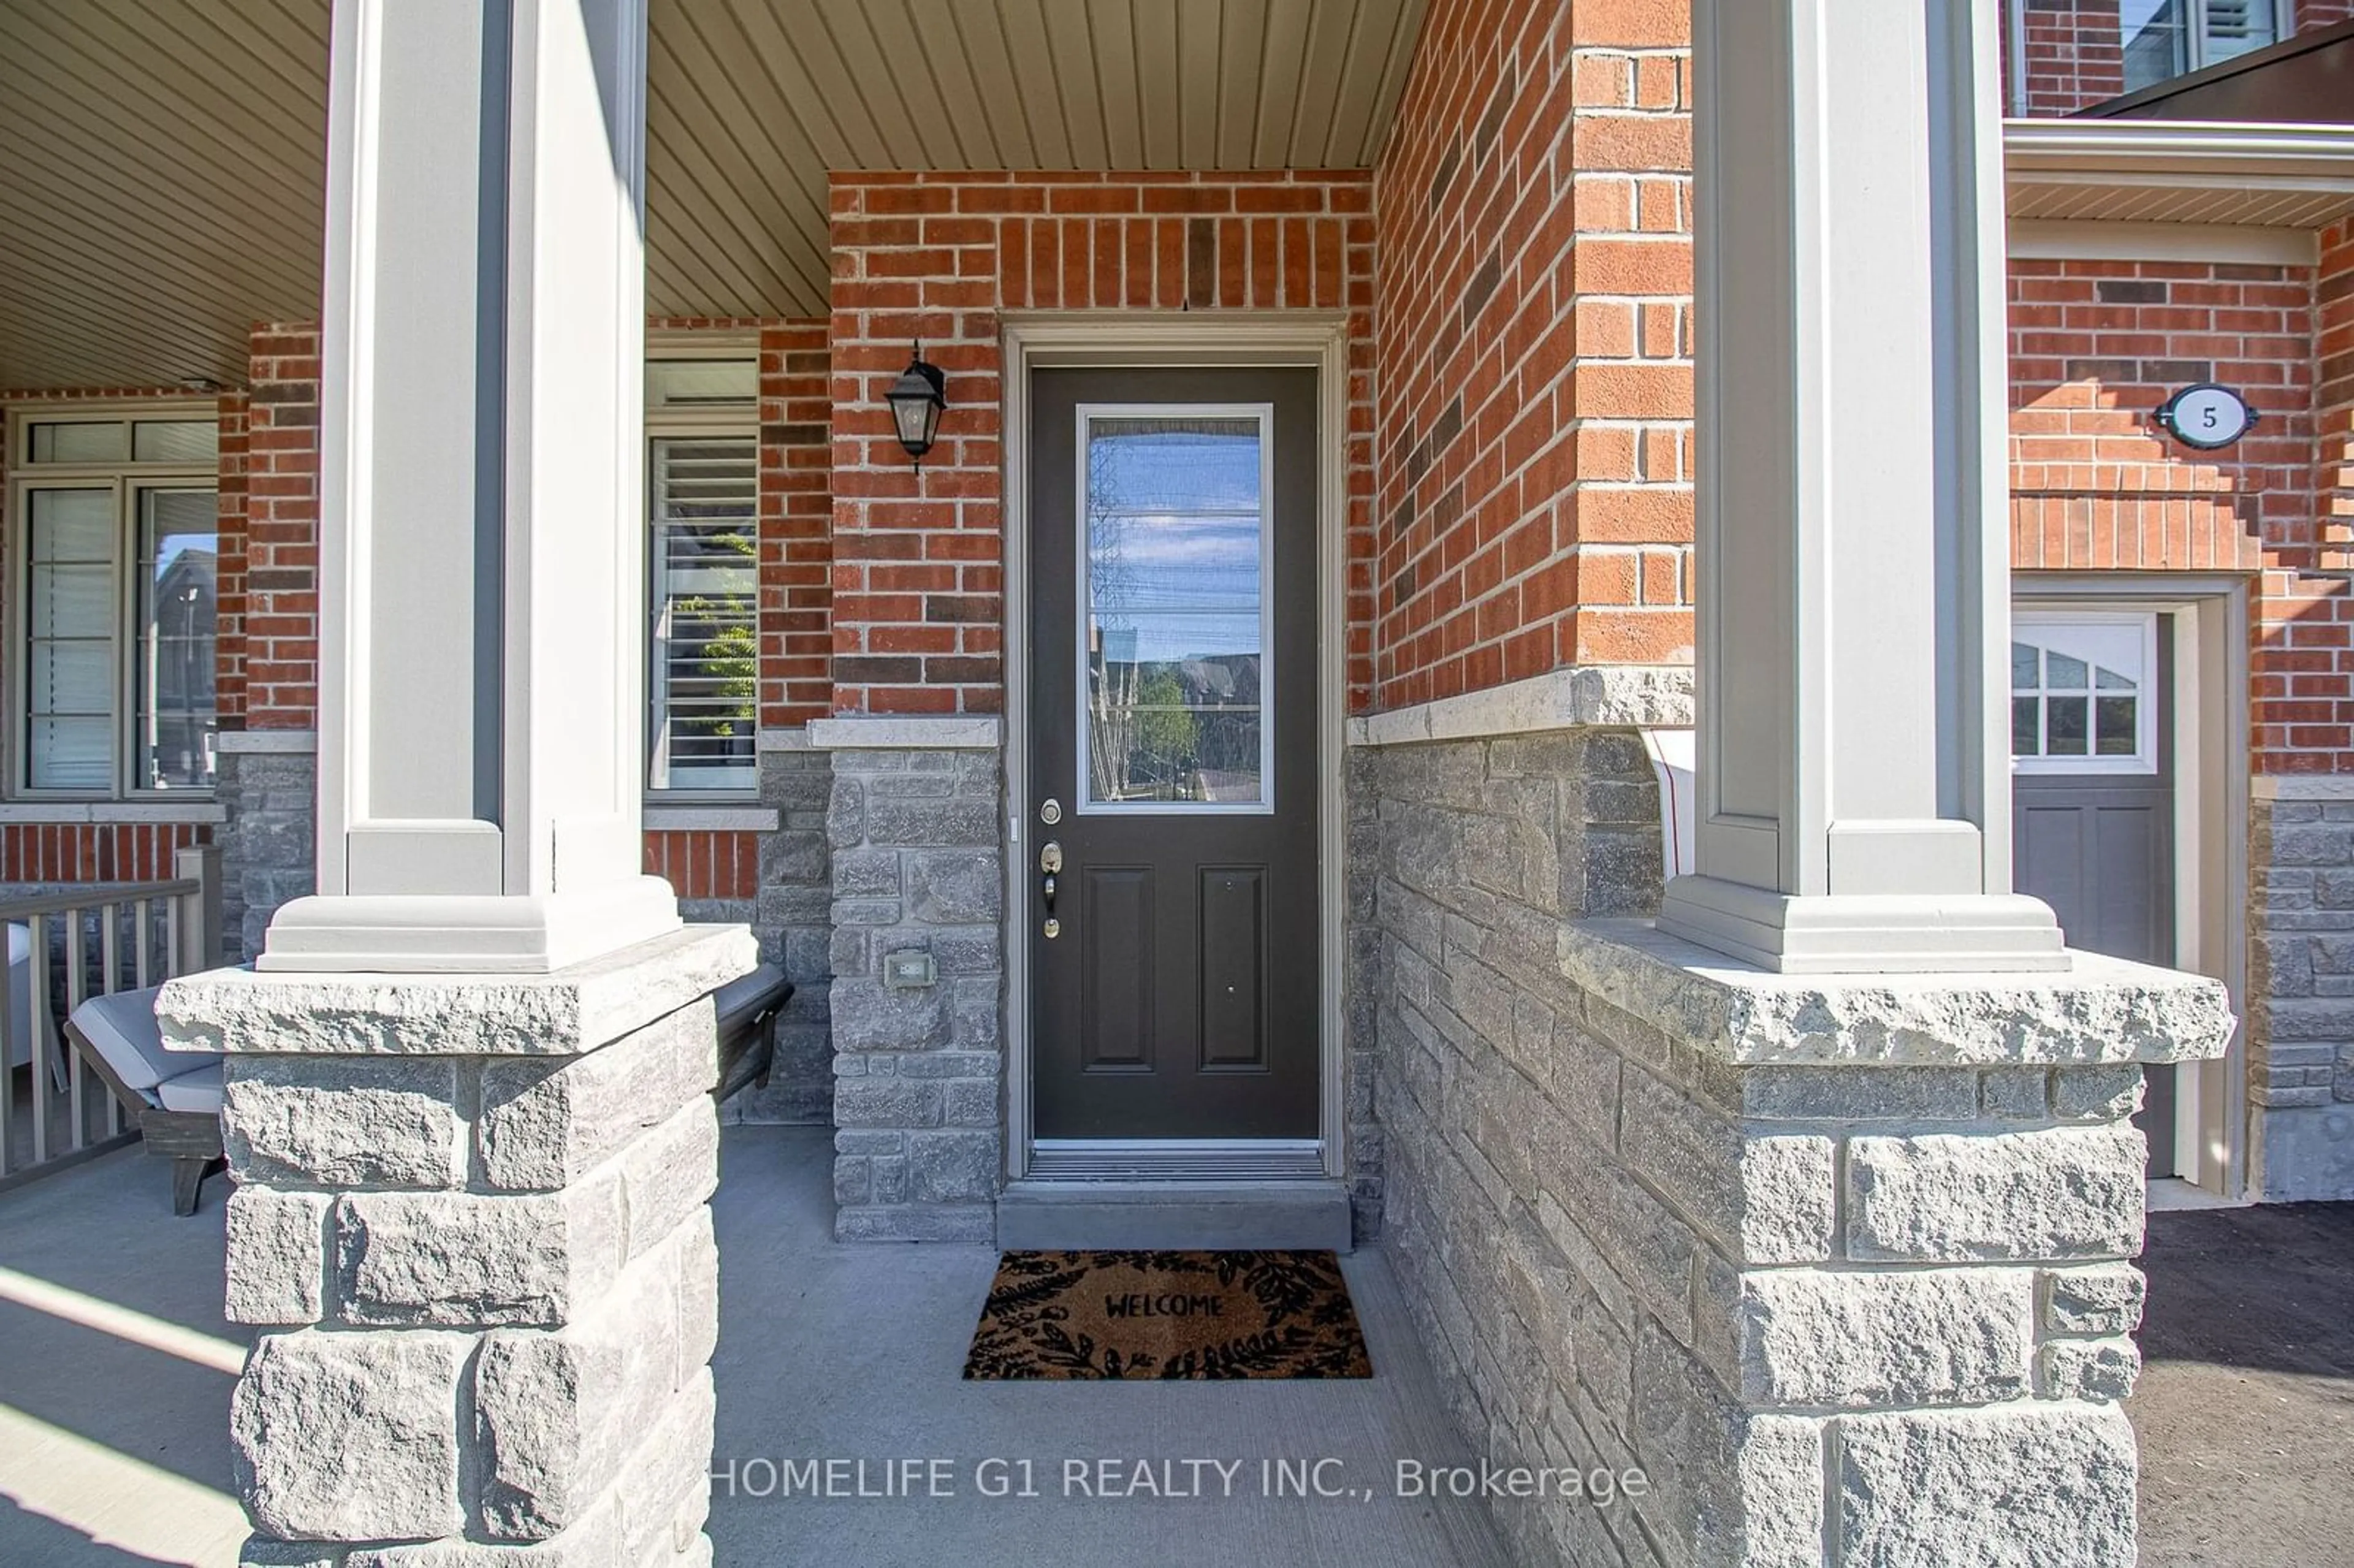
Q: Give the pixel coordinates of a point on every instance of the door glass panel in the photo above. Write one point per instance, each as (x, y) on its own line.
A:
(2078, 697)
(2116, 725)
(1174, 637)
(2026, 727)
(2064, 725)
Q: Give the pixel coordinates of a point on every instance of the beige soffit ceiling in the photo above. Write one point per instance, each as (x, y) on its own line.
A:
(161, 161)
(2144, 170)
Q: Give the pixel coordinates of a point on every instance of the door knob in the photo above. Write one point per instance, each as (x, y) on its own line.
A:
(1050, 864)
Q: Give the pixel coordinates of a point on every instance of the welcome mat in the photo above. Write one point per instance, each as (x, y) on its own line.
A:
(1082, 1315)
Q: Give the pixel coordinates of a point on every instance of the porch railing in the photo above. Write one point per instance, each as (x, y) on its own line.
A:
(84, 942)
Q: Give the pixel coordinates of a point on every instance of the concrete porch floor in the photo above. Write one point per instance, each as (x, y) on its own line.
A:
(115, 1368)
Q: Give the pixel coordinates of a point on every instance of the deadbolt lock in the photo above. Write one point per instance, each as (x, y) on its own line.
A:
(1051, 812)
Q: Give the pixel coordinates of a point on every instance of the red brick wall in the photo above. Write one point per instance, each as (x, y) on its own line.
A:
(796, 526)
(918, 582)
(705, 865)
(274, 646)
(228, 580)
(2334, 393)
(1532, 328)
(2096, 346)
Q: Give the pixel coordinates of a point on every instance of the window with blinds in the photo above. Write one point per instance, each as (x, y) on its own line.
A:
(703, 679)
(117, 563)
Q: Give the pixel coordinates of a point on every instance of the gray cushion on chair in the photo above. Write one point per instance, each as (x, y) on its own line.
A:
(197, 1091)
(123, 1029)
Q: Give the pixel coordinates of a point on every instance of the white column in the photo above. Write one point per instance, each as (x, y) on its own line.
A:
(1854, 774)
(482, 548)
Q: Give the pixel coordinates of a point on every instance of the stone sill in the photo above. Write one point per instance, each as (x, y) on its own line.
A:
(669, 819)
(268, 742)
(1613, 696)
(2302, 787)
(75, 813)
(957, 732)
(2101, 1010)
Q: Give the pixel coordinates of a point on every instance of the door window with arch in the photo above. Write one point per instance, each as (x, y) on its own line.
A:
(2083, 692)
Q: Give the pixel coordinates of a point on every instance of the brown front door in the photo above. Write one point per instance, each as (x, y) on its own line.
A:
(1172, 765)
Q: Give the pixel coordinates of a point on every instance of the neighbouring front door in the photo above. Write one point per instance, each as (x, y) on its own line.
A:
(1171, 851)
(2093, 798)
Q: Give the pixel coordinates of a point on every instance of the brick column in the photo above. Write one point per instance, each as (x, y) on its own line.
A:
(471, 1219)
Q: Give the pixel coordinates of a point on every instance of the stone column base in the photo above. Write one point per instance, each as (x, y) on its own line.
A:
(471, 1217)
(1902, 1316)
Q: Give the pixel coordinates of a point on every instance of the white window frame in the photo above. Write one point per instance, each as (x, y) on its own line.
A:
(2144, 760)
(690, 424)
(125, 479)
(1083, 593)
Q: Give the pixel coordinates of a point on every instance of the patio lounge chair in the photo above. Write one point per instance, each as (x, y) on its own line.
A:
(178, 1092)
(747, 1009)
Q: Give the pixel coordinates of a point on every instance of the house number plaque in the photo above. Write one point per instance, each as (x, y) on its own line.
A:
(2207, 417)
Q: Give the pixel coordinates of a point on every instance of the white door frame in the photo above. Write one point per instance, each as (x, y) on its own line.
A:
(2211, 769)
(1155, 339)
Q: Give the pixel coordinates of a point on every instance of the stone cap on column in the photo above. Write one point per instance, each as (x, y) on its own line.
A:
(565, 1012)
(2100, 1010)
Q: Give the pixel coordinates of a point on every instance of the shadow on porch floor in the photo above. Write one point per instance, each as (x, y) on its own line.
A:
(115, 1368)
(858, 1352)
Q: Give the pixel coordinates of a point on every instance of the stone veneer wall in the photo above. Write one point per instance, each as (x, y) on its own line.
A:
(1831, 1311)
(1360, 990)
(2300, 1000)
(918, 1116)
(791, 911)
(270, 843)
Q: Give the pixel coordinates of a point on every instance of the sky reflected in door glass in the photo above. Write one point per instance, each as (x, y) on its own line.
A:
(1173, 637)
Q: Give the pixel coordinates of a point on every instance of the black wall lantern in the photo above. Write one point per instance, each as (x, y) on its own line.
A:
(917, 399)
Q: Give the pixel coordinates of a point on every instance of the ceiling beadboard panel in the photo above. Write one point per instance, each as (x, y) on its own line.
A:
(160, 173)
(2294, 206)
(162, 161)
(753, 100)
